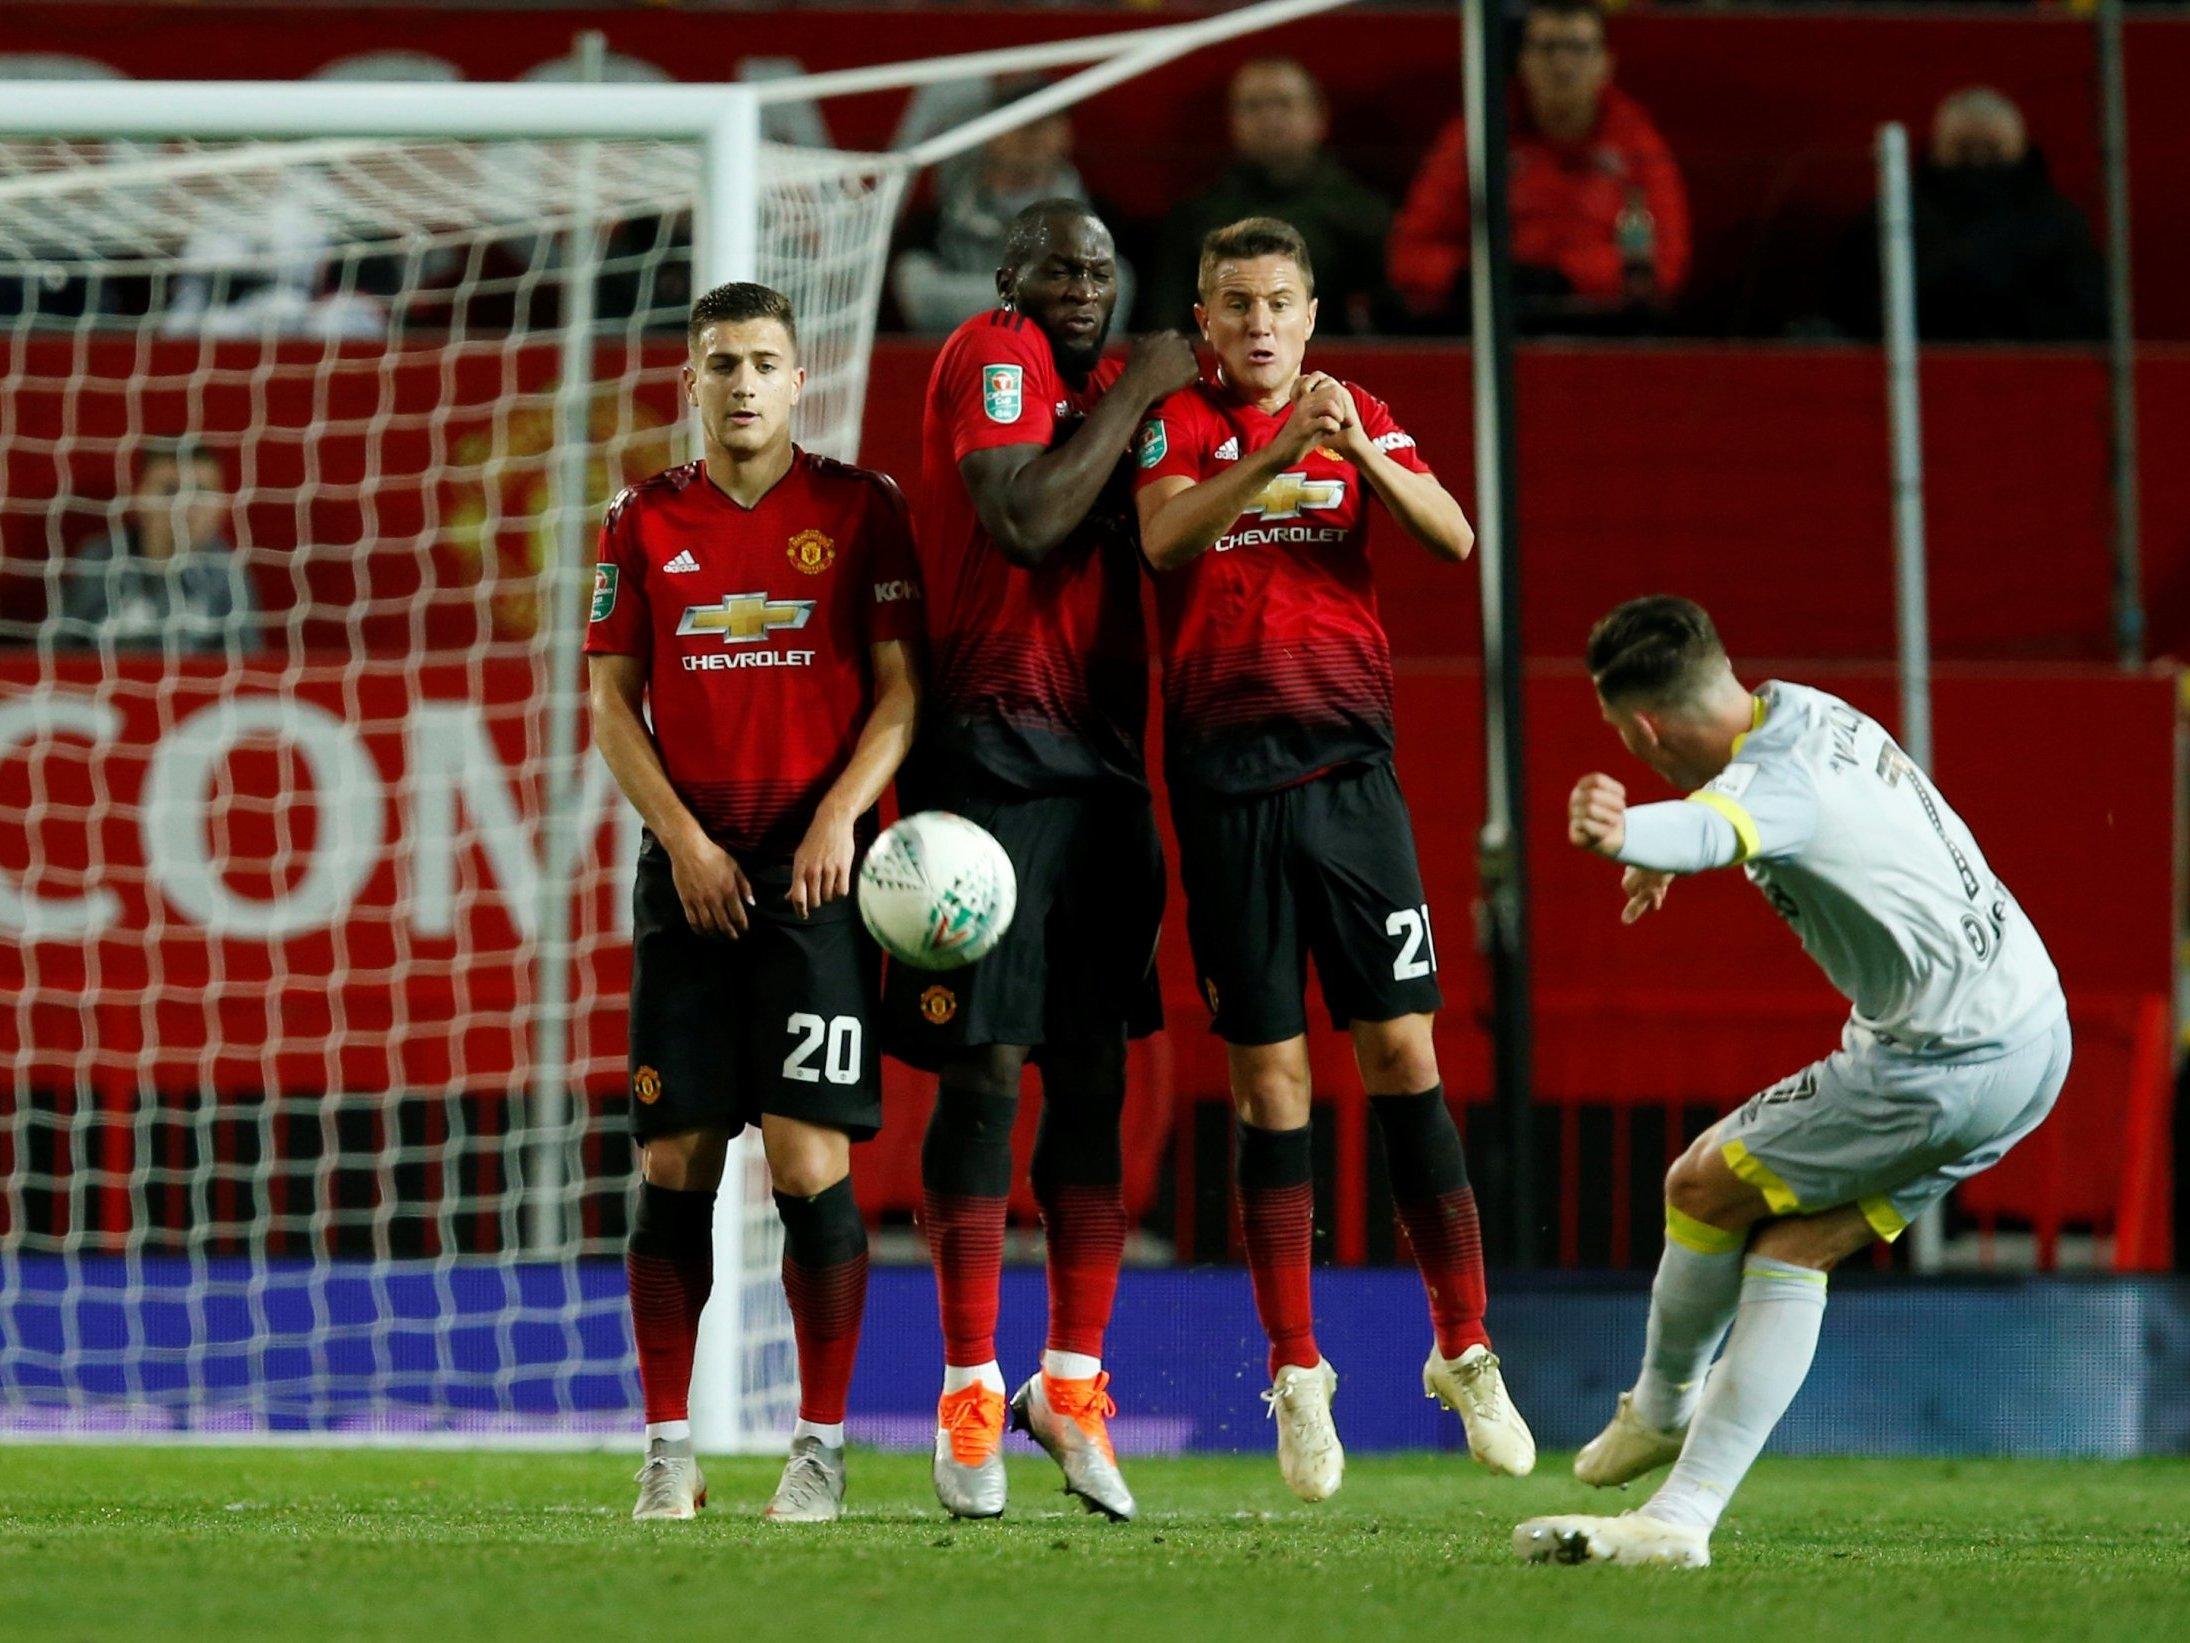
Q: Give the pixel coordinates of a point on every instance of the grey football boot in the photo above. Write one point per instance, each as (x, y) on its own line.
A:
(671, 1485)
(969, 1452)
(1067, 1419)
(812, 1487)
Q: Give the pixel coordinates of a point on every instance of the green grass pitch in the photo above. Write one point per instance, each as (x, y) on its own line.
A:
(335, 1545)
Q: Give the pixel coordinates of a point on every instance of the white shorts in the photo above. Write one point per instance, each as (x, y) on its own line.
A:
(1889, 1132)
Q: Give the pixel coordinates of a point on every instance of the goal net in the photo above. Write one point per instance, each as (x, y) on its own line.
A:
(313, 914)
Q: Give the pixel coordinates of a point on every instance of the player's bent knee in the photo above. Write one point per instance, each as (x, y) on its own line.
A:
(689, 1161)
(1396, 1057)
(805, 1159)
(1701, 1186)
(1270, 1085)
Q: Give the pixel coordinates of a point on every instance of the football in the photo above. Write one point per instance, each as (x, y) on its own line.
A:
(937, 892)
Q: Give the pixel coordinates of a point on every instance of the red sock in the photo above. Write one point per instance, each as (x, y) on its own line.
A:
(825, 1280)
(1277, 1206)
(669, 1263)
(827, 1304)
(1086, 1230)
(966, 1243)
(1448, 1248)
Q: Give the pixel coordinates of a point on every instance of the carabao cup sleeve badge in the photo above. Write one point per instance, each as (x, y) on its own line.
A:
(1002, 392)
(604, 591)
(1149, 445)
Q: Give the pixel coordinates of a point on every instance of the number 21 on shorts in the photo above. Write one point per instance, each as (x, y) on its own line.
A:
(1417, 956)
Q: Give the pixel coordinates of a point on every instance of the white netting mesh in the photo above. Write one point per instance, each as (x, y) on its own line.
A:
(275, 717)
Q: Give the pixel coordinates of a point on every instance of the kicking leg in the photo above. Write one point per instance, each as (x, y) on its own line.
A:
(825, 1281)
(965, 1176)
(1767, 1358)
(1708, 1213)
(669, 1261)
(1079, 1175)
(1436, 1205)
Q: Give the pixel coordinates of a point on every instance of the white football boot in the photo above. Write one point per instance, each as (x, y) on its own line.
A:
(1626, 1449)
(1471, 1387)
(1628, 1538)
(969, 1452)
(812, 1487)
(671, 1485)
(1309, 1455)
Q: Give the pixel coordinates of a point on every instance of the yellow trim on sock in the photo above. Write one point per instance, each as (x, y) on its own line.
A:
(1700, 1236)
(1888, 1222)
(1758, 1174)
(1803, 1276)
(1745, 825)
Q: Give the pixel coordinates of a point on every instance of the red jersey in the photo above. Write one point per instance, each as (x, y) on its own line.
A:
(1038, 678)
(755, 625)
(1275, 665)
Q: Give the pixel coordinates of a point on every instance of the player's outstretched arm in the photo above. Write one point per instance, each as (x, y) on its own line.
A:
(1182, 518)
(1674, 837)
(821, 870)
(1425, 510)
(711, 885)
(1029, 499)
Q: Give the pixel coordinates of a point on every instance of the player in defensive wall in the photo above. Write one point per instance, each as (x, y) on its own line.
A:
(762, 604)
(1294, 841)
(1955, 1049)
(1036, 704)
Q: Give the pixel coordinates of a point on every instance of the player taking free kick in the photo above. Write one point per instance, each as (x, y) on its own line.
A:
(1294, 840)
(763, 604)
(1957, 1045)
(1037, 701)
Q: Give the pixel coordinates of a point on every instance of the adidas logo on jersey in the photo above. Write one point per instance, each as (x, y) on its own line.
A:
(1229, 450)
(682, 563)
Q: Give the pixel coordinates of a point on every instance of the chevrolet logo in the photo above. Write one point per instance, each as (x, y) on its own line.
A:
(743, 617)
(1288, 495)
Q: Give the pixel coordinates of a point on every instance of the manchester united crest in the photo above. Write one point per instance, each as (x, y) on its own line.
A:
(646, 1084)
(811, 552)
(938, 1004)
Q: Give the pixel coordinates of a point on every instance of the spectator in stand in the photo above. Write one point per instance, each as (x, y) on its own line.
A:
(946, 272)
(2001, 254)
(1600, 216)
(1280, 168)
(167, 577)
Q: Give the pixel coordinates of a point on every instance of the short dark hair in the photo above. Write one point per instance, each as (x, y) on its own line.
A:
(1654, 650)
(1566, 8)
(737, 302)
(1253, 237)
(1023, 239)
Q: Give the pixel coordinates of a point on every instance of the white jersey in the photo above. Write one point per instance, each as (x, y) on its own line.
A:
(1883, 882)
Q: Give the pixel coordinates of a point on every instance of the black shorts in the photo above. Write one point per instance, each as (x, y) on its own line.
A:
(1078, 964)
(1326, 868)
(778, 1021)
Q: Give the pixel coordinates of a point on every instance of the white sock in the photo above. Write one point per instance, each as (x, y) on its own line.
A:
(672, 1433)
(1692, 1302)
(829, 1432)
(1071, 1366)
(957, 1377)
(1767, 1357)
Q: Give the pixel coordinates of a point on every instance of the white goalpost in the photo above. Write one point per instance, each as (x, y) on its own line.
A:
(313, 908)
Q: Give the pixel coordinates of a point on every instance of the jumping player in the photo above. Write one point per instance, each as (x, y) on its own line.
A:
(762, 603)
(1254, 486)
(1033, 726)
(1956, 1047)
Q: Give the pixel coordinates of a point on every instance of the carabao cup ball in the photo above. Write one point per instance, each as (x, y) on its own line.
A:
(937, 892)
